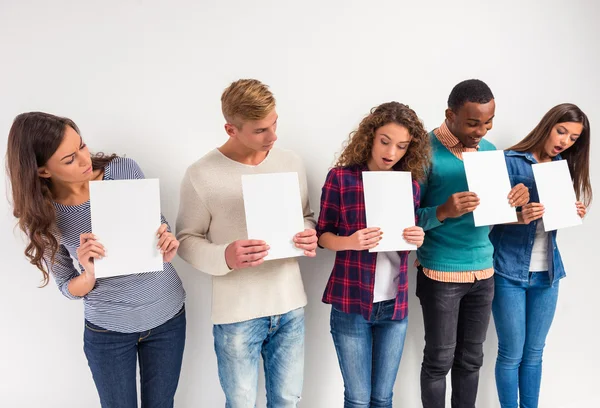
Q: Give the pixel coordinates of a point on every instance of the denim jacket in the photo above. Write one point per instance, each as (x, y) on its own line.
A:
(513, 243)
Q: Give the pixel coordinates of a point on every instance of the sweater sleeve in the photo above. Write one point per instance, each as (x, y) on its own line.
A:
(309, 214)
(193, 225)
(426, 216)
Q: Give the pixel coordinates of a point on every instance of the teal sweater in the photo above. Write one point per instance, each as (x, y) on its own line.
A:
(455, 245)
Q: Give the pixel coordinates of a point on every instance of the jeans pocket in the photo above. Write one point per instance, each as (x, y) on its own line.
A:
(97, 329)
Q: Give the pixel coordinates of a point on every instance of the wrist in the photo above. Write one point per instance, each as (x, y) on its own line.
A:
(440, 213)
(347, 244)
(89, 277)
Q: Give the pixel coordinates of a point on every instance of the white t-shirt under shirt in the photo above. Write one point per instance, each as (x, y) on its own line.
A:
(387, 272)
(539, 252)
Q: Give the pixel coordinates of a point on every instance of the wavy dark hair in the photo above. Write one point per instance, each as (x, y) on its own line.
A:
(32, 140)
(357, 149)
(577, 156)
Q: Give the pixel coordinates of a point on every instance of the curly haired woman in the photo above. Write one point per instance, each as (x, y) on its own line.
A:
(368, 291)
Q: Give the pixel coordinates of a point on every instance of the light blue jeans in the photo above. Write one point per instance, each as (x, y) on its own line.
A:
(280, 341)
(523, 313)
(369, 354)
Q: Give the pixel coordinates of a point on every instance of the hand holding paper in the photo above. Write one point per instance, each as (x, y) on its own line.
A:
(581, 209)
(519, 195)
(367, 238)
(414, 235)
(458, 204)
(89, 249)
(245, 253)
(531, 212)
(167, 243)
(307, 241)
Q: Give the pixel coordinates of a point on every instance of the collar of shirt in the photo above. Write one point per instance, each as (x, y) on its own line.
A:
(450, 141)
(528, 156)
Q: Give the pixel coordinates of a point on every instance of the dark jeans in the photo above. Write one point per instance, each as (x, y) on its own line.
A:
(112, 359)
(456, 318)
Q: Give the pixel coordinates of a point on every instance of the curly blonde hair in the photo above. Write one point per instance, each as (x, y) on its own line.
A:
(357, 149)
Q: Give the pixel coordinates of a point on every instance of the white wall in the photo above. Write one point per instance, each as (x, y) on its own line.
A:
(144, 78)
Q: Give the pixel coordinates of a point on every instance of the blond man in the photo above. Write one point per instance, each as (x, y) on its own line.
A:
(257, 306)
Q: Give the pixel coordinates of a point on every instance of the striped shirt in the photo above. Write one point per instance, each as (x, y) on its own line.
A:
(455, 146)
(126, 304)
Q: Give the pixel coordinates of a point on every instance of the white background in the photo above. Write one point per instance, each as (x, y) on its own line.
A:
(144, 78)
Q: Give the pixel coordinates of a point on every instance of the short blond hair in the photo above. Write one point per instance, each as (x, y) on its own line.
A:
(246, 99)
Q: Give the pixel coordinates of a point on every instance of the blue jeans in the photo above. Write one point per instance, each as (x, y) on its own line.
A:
(112, 359)
(369, 354)
(523, 313)
(280, 340)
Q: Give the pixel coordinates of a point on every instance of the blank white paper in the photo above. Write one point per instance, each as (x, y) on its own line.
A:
(273, 210)
(556, 192)
(389, 205)
(487, 176)
(125, 218)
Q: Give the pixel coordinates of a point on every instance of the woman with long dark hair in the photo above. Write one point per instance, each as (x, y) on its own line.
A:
(127, 318)
(527, 262)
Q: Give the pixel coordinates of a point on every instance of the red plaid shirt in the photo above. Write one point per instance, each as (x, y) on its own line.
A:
(350, 286)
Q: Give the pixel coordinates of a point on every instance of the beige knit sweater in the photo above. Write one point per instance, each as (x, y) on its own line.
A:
(211, 216)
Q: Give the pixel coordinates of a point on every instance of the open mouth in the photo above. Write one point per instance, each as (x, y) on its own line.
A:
(475, 139)
(387, 161)
(558, 149)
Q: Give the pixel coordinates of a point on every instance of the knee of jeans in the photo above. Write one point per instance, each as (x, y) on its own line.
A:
(381, 402)
(356, 401)
(437, 362)
(358, 395)
(533, 355)
(509, 357)
(469, 356)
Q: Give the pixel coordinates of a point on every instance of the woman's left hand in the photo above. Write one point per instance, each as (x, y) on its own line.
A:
(519, 195)
(414, 235)
(167, 243)
(581, 210)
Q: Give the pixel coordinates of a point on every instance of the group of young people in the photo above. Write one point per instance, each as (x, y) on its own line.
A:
(465, 273)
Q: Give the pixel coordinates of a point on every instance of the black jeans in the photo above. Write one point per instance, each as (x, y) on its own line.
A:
(456, 318)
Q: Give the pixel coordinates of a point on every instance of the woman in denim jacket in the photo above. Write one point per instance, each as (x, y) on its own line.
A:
(527, 261)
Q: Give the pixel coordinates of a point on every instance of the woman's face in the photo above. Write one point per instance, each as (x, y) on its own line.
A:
(562, 136)
(71, 162)
(389, 146)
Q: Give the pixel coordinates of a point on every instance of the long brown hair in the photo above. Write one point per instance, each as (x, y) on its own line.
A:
(577, 156)
(32, 140)
(360, 142)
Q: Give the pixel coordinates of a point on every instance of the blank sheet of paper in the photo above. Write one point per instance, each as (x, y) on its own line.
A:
(487, 176)
(389, 205)
(125, 218)
(556, 192)
(274, 211)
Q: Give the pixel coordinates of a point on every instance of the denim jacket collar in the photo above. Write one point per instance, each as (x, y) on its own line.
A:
(529, 156)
